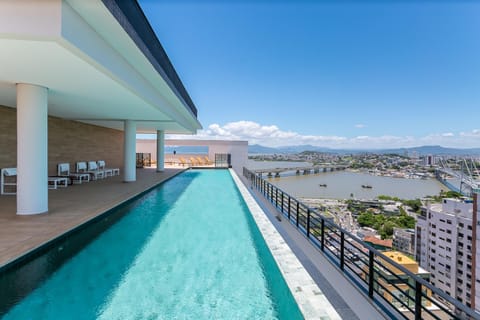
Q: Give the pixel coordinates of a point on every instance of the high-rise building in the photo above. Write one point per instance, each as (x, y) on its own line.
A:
(476, 250)
(445, 247)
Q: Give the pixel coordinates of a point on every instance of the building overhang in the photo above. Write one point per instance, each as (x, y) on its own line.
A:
(94, 68)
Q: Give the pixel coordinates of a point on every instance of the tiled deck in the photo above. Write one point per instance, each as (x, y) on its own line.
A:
(68, 208)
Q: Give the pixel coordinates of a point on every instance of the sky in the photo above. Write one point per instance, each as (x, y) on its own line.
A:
(339, 74)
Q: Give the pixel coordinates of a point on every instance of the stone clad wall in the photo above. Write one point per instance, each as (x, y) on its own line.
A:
(68, 141)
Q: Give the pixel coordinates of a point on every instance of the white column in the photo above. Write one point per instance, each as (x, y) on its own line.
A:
(32, 149)
(160, 150)
(129, 158)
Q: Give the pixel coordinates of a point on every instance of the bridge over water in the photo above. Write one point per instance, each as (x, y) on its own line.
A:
(467, 183)
(299, 170)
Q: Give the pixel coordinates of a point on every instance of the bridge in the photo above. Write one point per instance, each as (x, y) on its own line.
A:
(299, 170)
(466, 175)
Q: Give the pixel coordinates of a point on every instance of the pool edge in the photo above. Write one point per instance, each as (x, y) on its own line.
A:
(42, 247)
(310, 299)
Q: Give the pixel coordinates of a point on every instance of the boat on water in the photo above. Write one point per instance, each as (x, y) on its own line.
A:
(323, 185)
(367, 186)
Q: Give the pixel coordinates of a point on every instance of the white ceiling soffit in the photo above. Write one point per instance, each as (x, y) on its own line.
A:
(93, 70)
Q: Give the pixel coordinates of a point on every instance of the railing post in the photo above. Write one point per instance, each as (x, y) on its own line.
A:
(289, 207)
(342, 250)
(371, 270)
(276, 198)
(281, 202)
(308, 223)
(298, 212)
(322, 239)
(418, 300)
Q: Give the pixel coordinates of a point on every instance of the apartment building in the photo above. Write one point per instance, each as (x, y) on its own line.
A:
(444, 236)
(404, 240)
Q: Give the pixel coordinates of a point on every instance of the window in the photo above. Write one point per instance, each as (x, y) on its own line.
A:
(449, 221)
(461, 224)
(469, 227)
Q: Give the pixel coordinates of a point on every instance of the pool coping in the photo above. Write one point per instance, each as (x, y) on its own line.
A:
(310, 299)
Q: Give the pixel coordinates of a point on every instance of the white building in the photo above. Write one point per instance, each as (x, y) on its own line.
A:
(476, 244)
(444, 247)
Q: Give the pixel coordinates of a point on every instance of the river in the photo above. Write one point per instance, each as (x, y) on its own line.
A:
(342, 184)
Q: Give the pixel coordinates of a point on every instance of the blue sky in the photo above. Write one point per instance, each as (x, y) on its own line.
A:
(331, 73)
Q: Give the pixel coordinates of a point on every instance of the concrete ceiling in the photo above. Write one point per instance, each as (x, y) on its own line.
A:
(90, 77)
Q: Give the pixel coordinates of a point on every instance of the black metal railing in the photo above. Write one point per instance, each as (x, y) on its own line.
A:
(397, 290)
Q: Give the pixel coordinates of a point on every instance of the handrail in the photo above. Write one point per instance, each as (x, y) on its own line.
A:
(387, 283)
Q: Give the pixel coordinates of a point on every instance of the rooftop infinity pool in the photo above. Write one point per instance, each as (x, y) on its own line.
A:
(188, 249)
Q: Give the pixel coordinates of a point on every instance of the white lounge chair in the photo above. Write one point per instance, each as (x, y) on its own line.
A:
(63, 171)
(112, 171)
(93, 166)
(81, 167)
(8, 181)
(54, 182)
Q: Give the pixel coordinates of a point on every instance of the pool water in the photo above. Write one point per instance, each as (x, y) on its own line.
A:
(189, 249)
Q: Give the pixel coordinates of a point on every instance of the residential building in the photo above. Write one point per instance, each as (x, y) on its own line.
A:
(445, 247)
(378, 243)
(404, 240)
(392, 275)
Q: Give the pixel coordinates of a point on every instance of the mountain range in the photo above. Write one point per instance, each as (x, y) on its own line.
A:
(422, 150)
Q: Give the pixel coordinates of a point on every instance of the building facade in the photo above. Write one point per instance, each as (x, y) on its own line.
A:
(445, 247)
(404, 240)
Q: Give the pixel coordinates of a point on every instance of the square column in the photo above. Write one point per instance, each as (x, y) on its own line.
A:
(129, 151)
(160, 150)
(32, 149)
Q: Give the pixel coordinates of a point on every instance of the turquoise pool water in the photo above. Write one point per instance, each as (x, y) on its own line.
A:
(189, 249)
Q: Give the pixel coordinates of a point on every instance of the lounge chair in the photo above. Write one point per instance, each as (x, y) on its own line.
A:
(208, 160)
(92, 166)
(193, 161)
(82, 167)
(63, 171)
(183, 162)
(200, 161)
(8, 181)
(55, 182)
(108, 171)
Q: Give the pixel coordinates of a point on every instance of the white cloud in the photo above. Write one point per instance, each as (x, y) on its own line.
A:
(273, 136)
(360, 126)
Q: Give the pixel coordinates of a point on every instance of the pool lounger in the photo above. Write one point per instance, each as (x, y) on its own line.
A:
(54, 182)
(76, 178)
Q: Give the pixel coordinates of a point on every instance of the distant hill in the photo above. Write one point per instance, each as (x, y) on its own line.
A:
(422, 150)
(436, 150)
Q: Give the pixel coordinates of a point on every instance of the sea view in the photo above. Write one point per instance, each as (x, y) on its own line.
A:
(341, 184)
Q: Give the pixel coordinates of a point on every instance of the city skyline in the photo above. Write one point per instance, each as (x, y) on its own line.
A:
(332, 74)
